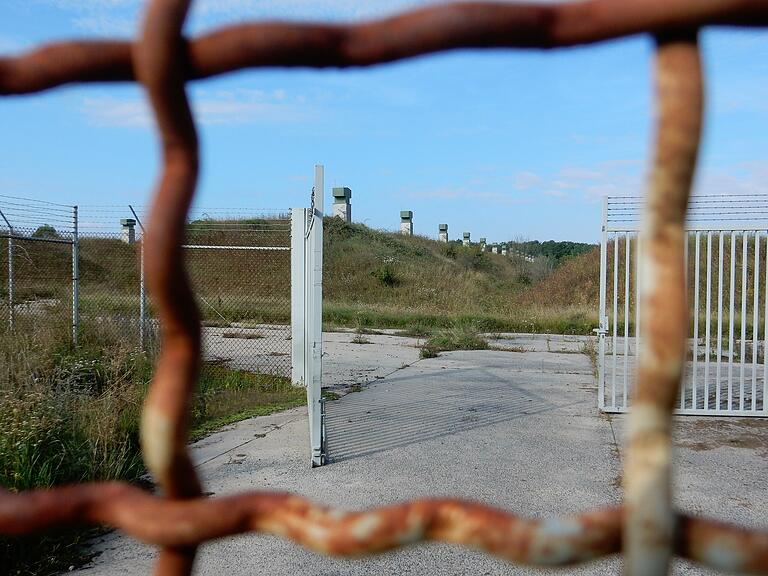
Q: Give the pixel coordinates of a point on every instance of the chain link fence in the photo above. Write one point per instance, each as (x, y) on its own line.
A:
(82, 268)
(37, 276)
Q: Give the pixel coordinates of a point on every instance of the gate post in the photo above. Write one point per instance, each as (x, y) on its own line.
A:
(298, 295)
(603, 328)
(314, 321)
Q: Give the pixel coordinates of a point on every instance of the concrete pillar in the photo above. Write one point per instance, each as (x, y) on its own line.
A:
(406, 222)
(482, 244)
(129, 230)
(504, 250)
(342, 203)
(466, 240)
(494, 249)
(442, 234)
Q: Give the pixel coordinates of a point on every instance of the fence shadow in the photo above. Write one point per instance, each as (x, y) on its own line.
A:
(409, 409)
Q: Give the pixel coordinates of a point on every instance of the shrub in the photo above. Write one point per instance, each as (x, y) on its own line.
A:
(385, 275)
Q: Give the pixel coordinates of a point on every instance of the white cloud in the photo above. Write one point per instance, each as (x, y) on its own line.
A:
(243, 106)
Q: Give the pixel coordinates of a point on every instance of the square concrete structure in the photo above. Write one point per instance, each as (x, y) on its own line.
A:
(128, 230)
(442, 234)
(342, 203)
(406, 222)
(504, 249)
(494, 249)
(467, 238)
(482, 244)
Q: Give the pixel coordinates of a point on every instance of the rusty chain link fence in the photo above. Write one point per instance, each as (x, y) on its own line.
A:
(645, 529)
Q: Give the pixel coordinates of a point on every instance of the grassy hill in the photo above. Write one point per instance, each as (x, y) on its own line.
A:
(373, 279)
(381, 279)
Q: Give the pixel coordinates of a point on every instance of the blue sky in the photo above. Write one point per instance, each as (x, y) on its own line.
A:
(505, 144)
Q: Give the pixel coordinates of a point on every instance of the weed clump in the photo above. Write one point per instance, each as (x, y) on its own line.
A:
(460, 336)
(385, 275)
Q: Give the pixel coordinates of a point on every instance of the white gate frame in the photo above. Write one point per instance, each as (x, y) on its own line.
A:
(307, 311)
(736, 391)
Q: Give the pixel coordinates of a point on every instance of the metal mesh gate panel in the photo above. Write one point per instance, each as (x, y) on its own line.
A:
(726, 263)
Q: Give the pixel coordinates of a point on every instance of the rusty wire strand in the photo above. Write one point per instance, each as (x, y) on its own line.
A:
(423, 31)
(649, 529)
(163, 61)
(159, 61)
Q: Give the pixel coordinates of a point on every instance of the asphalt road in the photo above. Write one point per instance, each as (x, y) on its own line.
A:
(516, 429)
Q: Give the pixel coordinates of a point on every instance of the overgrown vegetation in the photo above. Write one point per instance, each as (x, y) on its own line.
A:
(460, 336)
(71, 415)
(379, 279)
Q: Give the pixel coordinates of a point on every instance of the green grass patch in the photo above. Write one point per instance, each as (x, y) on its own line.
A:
(71, 415)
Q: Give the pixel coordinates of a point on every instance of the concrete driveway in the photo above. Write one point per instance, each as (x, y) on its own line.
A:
(516, 427)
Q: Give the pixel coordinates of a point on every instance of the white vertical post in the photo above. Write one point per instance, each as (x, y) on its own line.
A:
(695, 374)
(614, 319)
(731, 314)
(298, 295)
(75, 278)
(315, 321)
(683, 378)
(708, 320)
(720, 247)
(765, 332)
(755, 321)
(602, 329)
(626, 319)
(744, 287)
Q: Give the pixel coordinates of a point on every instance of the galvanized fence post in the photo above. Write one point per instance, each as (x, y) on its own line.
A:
(142, 286)
(75, 278)
(10, 270)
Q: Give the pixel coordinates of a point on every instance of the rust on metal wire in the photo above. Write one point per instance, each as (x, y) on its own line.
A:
(423, 31)
(650, 521)
(158, 60)
(646, 528)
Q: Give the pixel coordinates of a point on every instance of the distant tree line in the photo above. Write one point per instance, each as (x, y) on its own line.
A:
(556, 252)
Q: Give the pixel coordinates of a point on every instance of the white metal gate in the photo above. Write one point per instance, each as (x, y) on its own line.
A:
(307, 311)
(726, 252)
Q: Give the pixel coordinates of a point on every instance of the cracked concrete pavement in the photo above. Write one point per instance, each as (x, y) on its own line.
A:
(516, 427)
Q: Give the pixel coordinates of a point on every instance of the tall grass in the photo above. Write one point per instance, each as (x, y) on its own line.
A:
(72, 415)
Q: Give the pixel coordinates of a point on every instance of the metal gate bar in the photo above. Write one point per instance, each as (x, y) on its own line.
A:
(708, 386)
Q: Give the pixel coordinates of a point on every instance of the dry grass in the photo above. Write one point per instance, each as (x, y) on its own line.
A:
(71, 415)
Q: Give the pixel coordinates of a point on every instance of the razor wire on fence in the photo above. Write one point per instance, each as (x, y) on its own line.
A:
(238, 261)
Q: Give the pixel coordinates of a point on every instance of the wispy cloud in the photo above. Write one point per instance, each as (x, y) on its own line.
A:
(242, 106)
